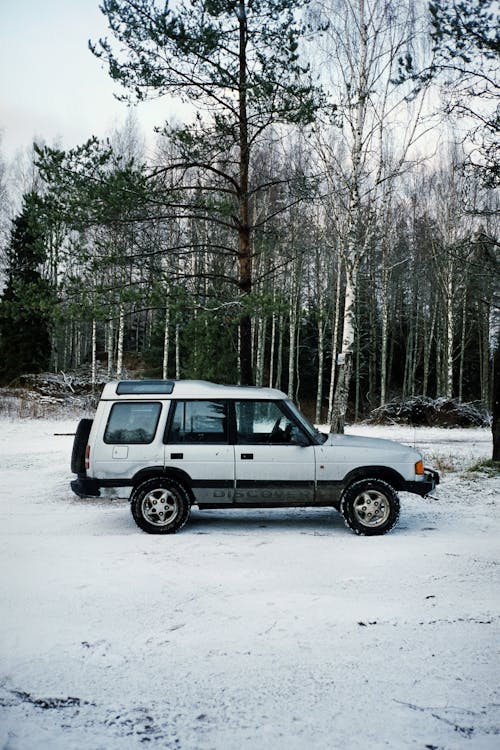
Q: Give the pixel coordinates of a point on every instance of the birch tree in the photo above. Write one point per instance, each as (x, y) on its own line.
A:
(365, 159)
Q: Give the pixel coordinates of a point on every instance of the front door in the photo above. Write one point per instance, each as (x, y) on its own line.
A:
(274, 458)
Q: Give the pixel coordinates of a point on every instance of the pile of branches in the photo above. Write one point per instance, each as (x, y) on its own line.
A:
(63, 384)
(50, 394)
(424, 411)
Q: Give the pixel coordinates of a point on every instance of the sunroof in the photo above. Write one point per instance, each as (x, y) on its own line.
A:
(127, 387)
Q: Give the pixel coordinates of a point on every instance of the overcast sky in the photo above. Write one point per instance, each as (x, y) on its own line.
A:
(51, 86)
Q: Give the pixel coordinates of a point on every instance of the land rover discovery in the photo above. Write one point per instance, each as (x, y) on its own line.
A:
(170, 445)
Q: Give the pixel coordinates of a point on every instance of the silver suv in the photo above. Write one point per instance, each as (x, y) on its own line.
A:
(174, 444)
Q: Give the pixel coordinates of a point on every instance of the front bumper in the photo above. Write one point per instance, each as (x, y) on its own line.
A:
(422, 487)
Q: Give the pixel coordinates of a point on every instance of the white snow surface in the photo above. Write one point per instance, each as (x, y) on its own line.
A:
(250, 629)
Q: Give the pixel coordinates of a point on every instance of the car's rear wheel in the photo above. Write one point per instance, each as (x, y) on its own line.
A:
(160, 506)
(370, 507)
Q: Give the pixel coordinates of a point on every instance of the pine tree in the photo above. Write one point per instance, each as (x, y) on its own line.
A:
(237, 62)
(26, 300)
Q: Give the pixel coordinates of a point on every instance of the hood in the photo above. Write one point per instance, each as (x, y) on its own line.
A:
(359, 441)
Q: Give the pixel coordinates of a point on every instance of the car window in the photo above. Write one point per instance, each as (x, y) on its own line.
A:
(266, 422)
(132, 423)
(309, 429)
(198, 422)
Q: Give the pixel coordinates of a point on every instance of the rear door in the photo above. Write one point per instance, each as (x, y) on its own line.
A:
(274, 458)
(132, 439)
(197, 443)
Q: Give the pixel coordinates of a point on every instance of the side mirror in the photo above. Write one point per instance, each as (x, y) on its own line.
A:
(299, 438)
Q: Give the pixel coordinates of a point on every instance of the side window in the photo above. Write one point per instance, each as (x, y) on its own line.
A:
(198, 422)
(265, 422)
(132, 423)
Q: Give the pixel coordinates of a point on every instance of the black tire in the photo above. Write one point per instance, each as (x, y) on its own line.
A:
(79, 445)
(160, 506)
(370, 507)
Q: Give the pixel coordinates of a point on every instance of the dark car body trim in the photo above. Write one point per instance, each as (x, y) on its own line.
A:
(85, 487)
(327, 492)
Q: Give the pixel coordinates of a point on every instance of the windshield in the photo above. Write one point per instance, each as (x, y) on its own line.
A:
(315, 434)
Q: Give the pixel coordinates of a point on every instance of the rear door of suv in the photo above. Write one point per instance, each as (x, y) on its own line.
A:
(132, 438)
(197, 441)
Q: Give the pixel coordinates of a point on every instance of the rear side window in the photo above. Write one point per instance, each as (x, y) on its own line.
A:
(132, 423)
(198, 422)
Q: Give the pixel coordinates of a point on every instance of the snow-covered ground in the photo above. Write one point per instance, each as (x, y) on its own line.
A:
(249, 630)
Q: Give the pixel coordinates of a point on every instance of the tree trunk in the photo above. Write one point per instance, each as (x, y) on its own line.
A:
(462, 347)
(450, 329)
(177, 352)
(110, 347)
(166, 341)
(357, 379)
(66, 345)
(428, 339)
(94, 353)
(291, 350)
(485, 350)
(495, 402)
(271, 356)
(384, 314)
(321, 357)
(416, 349)
(439, 368)
(373, 348)
(78, 345)
(279, 363)
(345, 357)
(261, 342)
(121, 332)
(335, 336)
(244, 234)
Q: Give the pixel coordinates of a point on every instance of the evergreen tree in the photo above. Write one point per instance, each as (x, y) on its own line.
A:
(26, 300)
(238, 62)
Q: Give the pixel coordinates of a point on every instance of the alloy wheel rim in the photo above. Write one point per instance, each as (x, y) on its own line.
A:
(160, 507)
(371, 508)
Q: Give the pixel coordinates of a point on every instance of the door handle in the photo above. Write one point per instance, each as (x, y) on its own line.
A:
(247, 456)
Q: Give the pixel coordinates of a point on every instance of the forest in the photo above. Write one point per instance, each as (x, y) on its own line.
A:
(324, 221)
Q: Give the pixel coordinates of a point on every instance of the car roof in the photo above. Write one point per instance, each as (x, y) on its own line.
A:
(175, 389)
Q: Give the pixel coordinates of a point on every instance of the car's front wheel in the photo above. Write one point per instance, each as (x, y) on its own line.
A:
(160, 506)
(370, 507)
